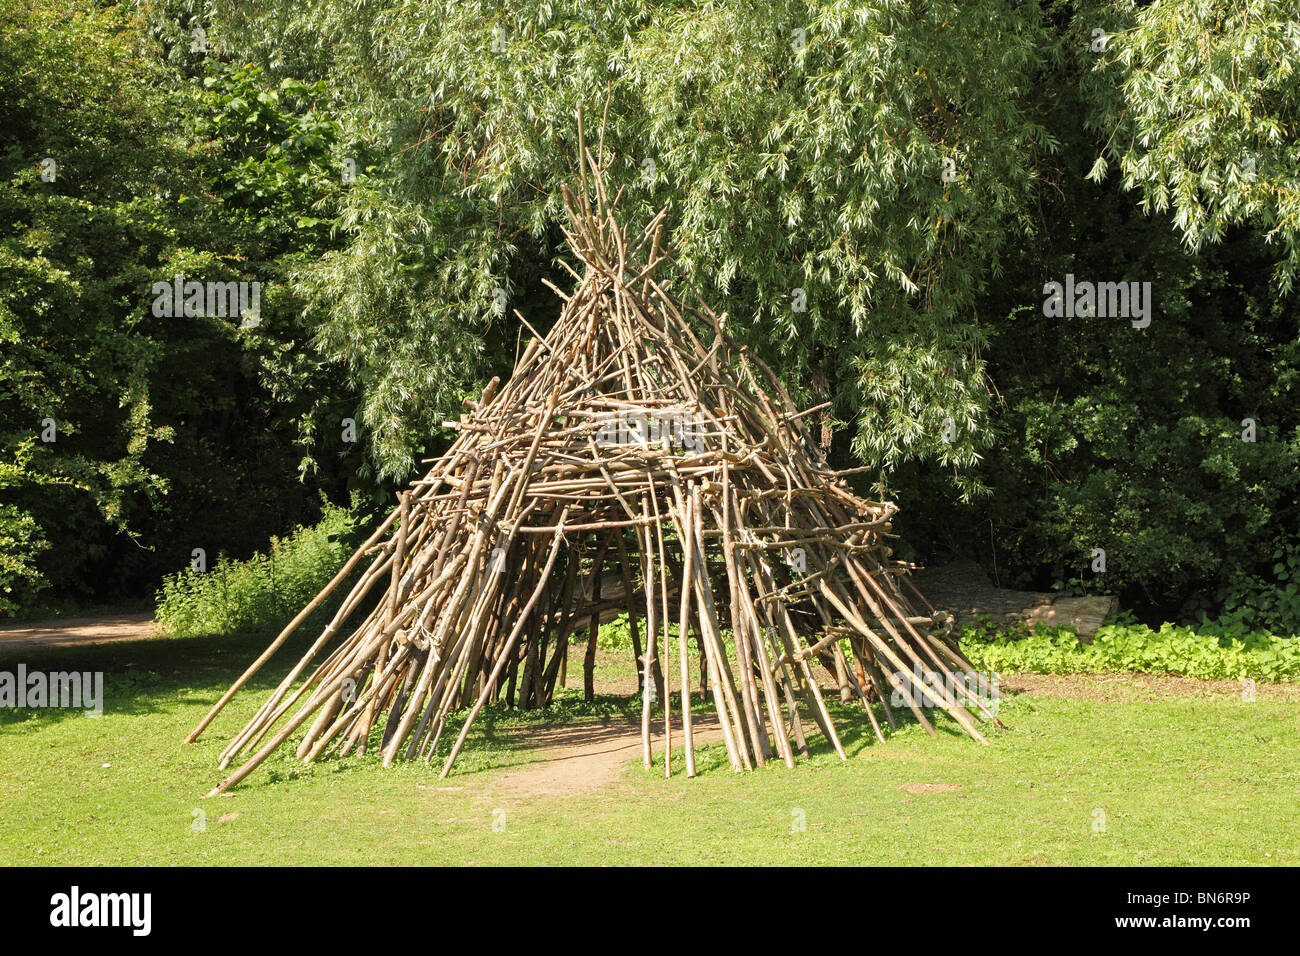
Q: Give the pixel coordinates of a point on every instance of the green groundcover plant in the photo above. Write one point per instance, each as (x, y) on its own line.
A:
(1221, 650)
(1211, 652)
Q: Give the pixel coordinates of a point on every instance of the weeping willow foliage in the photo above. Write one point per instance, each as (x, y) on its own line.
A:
(1200, 101)
(842, 178)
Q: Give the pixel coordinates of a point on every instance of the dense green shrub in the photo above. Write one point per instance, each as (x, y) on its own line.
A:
(1253, 601)
(128, 438)
(264, 592)
(1103, 436)
(21, 540)
(1131, 441)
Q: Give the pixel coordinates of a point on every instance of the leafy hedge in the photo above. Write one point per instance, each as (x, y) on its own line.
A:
(128, 438)
(21, 540)
(1213, 652)
(264, 592)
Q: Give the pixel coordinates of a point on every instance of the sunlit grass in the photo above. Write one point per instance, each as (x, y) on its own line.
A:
(1182, 780)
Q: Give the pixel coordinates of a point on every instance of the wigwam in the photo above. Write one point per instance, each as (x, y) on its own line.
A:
(623, 443)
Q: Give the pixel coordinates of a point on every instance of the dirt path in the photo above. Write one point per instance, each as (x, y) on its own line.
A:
(580, 757)
(76, 632)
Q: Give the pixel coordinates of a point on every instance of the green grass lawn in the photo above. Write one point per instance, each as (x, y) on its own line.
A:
(1192, 779)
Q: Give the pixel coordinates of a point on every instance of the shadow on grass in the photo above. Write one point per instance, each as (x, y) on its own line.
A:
(158, 674)
(499, 727)
(154, 674)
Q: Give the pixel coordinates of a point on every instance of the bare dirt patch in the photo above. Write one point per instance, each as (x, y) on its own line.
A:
(1140, 687)
(77, 632)
(930, 787)
(580, 757)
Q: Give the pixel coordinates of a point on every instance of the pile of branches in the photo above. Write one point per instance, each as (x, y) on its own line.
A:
(624, 443)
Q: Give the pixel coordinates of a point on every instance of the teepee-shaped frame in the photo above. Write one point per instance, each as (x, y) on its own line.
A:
(620, 440)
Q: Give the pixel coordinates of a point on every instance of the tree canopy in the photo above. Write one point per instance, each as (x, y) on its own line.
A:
(874, 192)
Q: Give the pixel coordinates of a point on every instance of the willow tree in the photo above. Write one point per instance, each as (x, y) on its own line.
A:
(842, 178)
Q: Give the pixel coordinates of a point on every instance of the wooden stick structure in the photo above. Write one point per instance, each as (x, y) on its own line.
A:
(625, 466)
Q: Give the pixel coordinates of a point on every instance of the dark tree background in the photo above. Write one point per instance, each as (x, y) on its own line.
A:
(876, 192)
